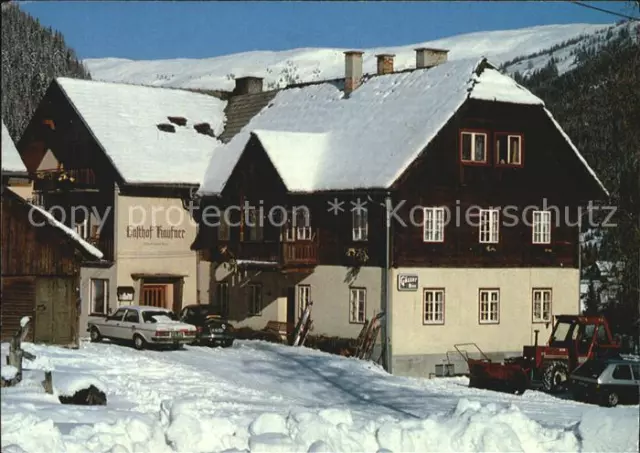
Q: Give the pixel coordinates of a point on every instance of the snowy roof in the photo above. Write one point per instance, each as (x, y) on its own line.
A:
(11, 160)
(124, 118)
(318, 141)
(90, 249)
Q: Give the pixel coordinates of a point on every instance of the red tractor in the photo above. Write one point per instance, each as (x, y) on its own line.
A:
(574, 340)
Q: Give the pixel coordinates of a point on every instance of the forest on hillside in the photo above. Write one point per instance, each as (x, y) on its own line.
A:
(32, 56)
(598, 106)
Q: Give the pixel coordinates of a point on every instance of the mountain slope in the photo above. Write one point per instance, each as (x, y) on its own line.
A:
(307, 64)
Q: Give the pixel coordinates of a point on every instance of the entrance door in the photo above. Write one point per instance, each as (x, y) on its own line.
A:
(56, 311)
(154, 295)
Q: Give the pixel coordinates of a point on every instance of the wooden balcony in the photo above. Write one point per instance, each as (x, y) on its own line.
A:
(105, 245)
(282, 254)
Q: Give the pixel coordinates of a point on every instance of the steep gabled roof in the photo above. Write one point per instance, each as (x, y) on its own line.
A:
(11, 160)
(318, 140)
(124, 118)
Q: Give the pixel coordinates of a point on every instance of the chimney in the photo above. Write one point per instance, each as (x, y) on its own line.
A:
(352, 70)
(385, 63)
(248, 85)
(427, 57)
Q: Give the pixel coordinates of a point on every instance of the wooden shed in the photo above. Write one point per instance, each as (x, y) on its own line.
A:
(41, 259)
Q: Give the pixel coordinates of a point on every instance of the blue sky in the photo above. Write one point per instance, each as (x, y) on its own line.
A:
(183, 29)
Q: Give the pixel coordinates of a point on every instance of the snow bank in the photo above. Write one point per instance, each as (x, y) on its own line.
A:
(596, 426)
(67, 384)
(469, 427)
(8, 372)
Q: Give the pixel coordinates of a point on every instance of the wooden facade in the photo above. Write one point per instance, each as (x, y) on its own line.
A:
(40, 271)
(549, 174)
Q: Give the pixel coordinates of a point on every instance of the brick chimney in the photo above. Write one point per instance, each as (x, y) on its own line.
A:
(427, 57)
(248, 85)
(352, 70)
(385, 63)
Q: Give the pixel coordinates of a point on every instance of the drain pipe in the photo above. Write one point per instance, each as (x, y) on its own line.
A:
(386, 287)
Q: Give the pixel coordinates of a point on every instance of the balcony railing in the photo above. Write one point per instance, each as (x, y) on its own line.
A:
(287, 254)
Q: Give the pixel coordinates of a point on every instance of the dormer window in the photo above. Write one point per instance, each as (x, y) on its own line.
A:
(508, 149)
(473, 147)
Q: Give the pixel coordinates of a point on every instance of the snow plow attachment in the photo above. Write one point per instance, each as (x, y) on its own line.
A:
(504, 376)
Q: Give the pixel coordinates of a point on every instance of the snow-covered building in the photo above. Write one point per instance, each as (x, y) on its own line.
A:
(120, 163)
(14, 172)
(41, 259)
(477, 179)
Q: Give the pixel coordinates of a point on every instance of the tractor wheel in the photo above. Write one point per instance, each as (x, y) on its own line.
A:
(555, 376)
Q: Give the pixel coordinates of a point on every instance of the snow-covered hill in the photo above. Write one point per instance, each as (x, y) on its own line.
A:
(307, 64)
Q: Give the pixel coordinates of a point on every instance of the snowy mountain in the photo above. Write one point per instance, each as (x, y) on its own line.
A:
(524, 49)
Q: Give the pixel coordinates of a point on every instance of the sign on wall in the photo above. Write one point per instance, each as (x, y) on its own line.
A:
(407, 282)
(125, 293)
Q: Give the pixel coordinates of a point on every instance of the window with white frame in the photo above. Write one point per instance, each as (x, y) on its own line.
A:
(489, 226)
(542, 305)
(99, 295)
(473, 147)
(433, 227)
(434, 306)
(489, 306)
(509, 149)
(298, 225)
(541, 227)
(357, 305)
(254, 299)
(304, 297)
(222, 298)
(360, 231)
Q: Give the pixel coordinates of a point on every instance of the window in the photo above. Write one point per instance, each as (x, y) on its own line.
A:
(434, 306)
(117, 316)
(224, 232)
(622, 372)
(473, 147)
(541, 227)
(357, 305)
(433, 228)
(222, 298)
(82, 228)
(254, 302)
(489, 306)
(508, 149)
(154, 295)
(254, 223)
(489, 226)
(298, 225)
(99, 295)
(304, 297)
(360, 230)
(131, 316)
(541, 305)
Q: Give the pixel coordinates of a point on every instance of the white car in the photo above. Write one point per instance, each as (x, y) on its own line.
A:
(144, 326)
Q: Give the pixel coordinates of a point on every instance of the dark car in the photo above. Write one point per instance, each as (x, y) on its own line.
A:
(606, 381)
(213, 329)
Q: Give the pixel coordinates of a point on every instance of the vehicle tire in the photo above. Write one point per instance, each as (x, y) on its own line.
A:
(138, 342)
(95, 336)
(555, 376)
(610, 399)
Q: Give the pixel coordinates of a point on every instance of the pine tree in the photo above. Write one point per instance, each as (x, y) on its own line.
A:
(32, 56)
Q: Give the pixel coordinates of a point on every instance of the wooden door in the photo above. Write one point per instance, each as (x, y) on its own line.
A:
(154, 295)
(18, 300)
(55, 311)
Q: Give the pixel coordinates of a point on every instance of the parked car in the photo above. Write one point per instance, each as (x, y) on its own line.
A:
(212, 328)
(607, 382)
(144, 326)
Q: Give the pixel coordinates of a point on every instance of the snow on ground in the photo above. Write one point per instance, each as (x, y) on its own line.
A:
(309, 64)
(262, 397)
